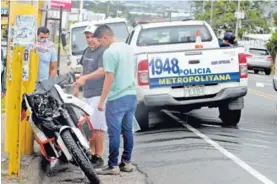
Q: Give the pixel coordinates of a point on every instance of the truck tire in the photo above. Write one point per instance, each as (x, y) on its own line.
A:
(80, 157)
(256, 71)
(267, 71)
(142, 116)
(229, 117)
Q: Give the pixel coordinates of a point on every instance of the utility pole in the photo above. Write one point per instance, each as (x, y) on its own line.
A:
(108, 9)
(81, 10)
(238, 20)
(211, 15)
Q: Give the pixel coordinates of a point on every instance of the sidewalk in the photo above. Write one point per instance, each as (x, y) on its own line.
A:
(69, 174)
(30, 165)
(31, 172)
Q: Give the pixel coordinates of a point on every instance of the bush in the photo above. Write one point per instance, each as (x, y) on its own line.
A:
(271, 45)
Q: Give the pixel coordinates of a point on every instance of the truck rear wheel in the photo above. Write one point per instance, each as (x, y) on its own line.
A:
(267, 71)
(142, 116)
(229, 117)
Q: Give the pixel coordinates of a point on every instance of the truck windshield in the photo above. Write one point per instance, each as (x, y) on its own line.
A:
(78, 41)
(173, 35)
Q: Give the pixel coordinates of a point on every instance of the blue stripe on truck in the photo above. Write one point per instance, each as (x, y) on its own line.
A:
(194, 79)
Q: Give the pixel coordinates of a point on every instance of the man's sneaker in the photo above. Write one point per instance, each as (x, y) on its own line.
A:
(97, 161)
(126, 167)
(108, 171)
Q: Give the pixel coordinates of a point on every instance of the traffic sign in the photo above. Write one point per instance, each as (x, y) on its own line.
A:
(239, 15)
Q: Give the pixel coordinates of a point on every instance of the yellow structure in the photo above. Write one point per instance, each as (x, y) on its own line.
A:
(14, 110)
(19, 136)
(26, 133)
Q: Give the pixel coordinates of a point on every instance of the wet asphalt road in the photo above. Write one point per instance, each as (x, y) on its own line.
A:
(177, 155)
(198, 150)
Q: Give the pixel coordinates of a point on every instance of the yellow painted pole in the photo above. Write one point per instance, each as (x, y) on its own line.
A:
(14, 111)
(16, 8)
(22, 132)
(27, 136)
(22, 8)
(8, 86)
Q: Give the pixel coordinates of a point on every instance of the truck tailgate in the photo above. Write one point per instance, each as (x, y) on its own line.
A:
(194, 67)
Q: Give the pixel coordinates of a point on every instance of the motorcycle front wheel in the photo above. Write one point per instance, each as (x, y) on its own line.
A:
(80, 157)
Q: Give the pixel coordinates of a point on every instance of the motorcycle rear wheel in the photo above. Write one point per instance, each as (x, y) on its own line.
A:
(80, 157)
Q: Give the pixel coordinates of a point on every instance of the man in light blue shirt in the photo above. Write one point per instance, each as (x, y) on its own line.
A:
(119, 90)
(47, 55)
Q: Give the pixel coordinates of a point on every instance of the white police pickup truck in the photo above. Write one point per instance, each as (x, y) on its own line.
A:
(174, 73)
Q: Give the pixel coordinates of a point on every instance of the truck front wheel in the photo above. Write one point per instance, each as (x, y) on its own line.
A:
(229, 117)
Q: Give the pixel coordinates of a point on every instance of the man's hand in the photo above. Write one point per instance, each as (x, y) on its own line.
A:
(80, 81)
(101, 106)
(76, 91)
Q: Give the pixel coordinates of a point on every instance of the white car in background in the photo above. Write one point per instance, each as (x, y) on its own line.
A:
(259, 59)
(77, 41)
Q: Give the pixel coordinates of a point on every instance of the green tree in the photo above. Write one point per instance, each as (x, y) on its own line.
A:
(224, 15)
(275, 18)
(271, 45)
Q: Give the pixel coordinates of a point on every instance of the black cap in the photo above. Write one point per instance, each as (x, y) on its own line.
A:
(44, 30)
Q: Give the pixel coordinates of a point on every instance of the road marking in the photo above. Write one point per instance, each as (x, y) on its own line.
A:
(272, 97)
(262, 84)
(225, 152)
(259, 84)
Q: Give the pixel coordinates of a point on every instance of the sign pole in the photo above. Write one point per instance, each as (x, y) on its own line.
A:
(59, 44)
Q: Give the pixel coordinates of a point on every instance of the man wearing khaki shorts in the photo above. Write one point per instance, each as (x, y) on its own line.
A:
(92, 80)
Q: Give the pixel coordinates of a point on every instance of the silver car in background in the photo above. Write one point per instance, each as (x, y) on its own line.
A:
(259, 59)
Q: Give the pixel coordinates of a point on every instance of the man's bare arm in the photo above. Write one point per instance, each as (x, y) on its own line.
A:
(93, 75)
(96, 74)
(53, 69)
(109, 77)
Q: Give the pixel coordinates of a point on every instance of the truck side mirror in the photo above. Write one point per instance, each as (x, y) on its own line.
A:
(63, 36)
